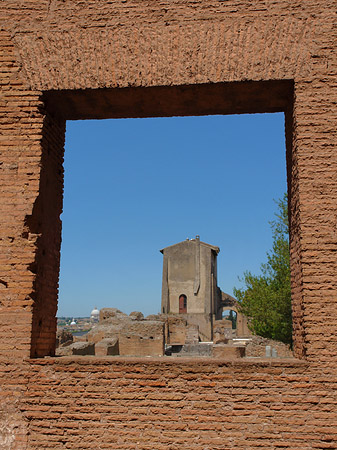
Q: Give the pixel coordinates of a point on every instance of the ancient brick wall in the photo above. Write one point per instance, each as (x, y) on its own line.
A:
(96, 59)
(159, 404)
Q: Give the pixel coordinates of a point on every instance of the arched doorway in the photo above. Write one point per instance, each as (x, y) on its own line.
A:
(232, 315)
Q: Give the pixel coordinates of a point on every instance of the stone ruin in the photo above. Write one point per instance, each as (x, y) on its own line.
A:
(191, 322)
(119, 334)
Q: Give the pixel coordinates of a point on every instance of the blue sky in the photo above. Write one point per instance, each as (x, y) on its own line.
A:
(134, 186)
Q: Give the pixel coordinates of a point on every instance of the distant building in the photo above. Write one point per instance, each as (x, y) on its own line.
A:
(94, 316)
(190, 289)
(73, 322)
(189, 285)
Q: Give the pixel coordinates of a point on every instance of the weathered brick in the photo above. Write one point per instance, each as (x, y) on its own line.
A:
(77, 60)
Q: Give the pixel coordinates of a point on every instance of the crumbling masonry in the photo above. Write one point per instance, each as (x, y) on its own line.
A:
(71, 59)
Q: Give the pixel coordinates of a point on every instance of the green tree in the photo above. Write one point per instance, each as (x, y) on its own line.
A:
(266, 298)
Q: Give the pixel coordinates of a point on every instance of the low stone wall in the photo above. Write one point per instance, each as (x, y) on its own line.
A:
(257, 347)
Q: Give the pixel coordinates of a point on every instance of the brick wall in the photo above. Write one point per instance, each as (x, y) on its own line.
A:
(21, 131)
(45, 223)
(142, 404)
(96, 59)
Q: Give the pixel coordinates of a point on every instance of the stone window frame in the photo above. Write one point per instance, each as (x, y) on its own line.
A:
(165, 101)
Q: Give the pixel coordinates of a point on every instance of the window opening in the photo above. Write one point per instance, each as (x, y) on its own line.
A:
(125, 181)
(182, 304)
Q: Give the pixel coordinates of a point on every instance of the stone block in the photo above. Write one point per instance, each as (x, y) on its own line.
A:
(64, 351)
(82, 348)
(144, 338)
(105, 331)
(228, 351)
(199, 349)
(107, 347)
(76, 348)
(192, 334)
(175, 330)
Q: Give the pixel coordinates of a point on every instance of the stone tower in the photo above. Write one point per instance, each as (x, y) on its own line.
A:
(189, 284)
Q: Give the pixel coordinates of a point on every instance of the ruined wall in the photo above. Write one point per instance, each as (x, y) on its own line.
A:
(257, 347)
(142, 338)
(143, 404)
(96, 59)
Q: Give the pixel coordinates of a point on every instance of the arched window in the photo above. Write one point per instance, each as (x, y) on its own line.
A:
(182, 304)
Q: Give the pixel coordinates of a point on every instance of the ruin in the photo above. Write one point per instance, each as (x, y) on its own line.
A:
(64, 60)
(190, 289)
(190, 324)
(119, 334)
(190, 284)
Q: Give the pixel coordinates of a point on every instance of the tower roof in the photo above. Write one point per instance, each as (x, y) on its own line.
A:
(212, 247)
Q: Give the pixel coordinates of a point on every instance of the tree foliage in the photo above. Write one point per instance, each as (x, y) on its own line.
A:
(266, 298)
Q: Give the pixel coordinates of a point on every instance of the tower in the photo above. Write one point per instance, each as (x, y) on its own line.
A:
(189, 285)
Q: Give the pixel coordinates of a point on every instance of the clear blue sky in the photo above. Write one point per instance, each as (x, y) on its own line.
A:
(134, 186)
